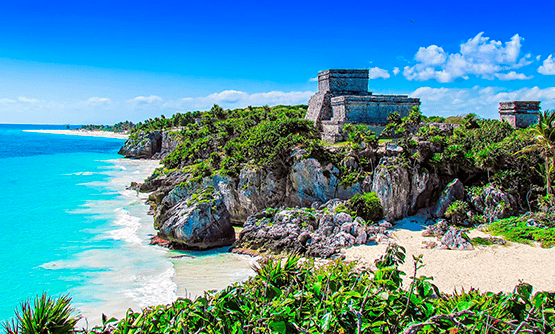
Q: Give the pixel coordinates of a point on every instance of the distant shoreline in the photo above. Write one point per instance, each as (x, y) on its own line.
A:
(87, 133)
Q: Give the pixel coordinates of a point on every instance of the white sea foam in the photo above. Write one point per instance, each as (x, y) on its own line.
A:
(131, 225)
(153, 289)
(81, 173)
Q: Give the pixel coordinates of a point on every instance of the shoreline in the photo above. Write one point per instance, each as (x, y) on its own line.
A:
(85, 133)
(487, 268)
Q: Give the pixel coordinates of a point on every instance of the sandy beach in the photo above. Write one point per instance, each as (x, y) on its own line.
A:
(87, 133)
(487, 268)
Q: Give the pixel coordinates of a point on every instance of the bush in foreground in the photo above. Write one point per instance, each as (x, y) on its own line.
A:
(367, 206)
(291, 296)
(45, 316)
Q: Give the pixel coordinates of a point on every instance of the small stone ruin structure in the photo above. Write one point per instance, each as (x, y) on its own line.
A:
(343, 97)
(520, 114)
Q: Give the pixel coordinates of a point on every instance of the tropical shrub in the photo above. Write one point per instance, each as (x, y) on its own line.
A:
(45, 315)
(367, 206)
(457, 211)
(293, 296)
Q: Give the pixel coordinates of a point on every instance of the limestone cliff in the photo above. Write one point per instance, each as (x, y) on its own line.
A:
(149, 145)
(401, 189)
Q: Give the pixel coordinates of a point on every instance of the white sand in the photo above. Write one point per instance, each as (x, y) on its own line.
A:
(487, 268)
(87, 133)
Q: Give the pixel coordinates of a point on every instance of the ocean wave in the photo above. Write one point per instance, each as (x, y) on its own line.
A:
(131, 224)
(153, 289)
(81, 173)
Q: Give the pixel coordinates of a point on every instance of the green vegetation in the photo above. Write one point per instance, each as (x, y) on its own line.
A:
(545, 143)
(367, 206)
(359, 134)
(119, 127)
(226, 140)
(292, 296)
(522, 230)
(45, 316)
(457, 212)
(481, 241)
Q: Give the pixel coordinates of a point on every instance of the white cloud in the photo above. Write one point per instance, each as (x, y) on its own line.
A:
(483, 101)
(548, 67)
(478, 56)
(396, 70)
(432, 55)
(239, 99)
(98, 101)
(27, 100)
(147, 99)
(151, 102)
(377, 72)
(315, 79)
(6, 101)
(512, 75)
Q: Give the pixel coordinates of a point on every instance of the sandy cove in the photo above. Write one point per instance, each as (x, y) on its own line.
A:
(487, 268)
(86, 133)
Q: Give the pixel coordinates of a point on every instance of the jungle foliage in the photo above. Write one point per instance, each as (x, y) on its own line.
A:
(226, 140)
(478, 152)
(292, 296)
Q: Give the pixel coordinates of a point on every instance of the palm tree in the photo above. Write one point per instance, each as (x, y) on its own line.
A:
(545, 143)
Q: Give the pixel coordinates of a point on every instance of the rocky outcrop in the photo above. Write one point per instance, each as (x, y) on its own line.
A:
(455, 239)
(321, 232)
(453, 192)
(200, 221)
(313, 182)
(493, 203)
(149, 145)
(169, 142)
(255, 189)
(143, 145)
(403, 190)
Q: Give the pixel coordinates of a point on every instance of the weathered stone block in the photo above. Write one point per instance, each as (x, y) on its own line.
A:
(520, 114)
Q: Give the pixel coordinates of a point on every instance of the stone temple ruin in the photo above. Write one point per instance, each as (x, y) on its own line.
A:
(343, 97)
(520, 114)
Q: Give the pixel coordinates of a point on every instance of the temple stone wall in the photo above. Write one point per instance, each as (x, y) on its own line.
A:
(372, 109)
(343, 97)
(343, 81)
(520, 114)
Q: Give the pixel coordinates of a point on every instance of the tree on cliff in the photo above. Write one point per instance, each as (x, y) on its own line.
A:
(545, 143)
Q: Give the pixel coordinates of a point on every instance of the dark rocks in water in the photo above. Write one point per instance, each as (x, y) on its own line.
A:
(200, 222)
(453, 192)
(493, 203)
(319, 233)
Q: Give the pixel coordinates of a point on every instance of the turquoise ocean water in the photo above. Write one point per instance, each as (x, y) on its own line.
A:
(69, 226)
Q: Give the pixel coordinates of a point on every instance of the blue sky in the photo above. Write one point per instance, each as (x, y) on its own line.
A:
(102, 62)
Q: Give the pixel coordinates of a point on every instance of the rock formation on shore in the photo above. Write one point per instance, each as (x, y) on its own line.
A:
(226, 168)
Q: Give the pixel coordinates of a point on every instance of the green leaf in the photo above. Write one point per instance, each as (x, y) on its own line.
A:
(278, 326)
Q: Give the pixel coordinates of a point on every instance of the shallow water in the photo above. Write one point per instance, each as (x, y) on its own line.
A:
(70, 226)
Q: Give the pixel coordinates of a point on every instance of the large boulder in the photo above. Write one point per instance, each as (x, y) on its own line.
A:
(493, 203)
(142, 146)
(392, 185)
(311, 181)
(455, 239)
(454, 191)
(319, 232)
(199, 222)
(169, 142)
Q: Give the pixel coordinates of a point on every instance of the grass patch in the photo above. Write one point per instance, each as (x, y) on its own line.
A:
(516, 229)
(478, 241)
